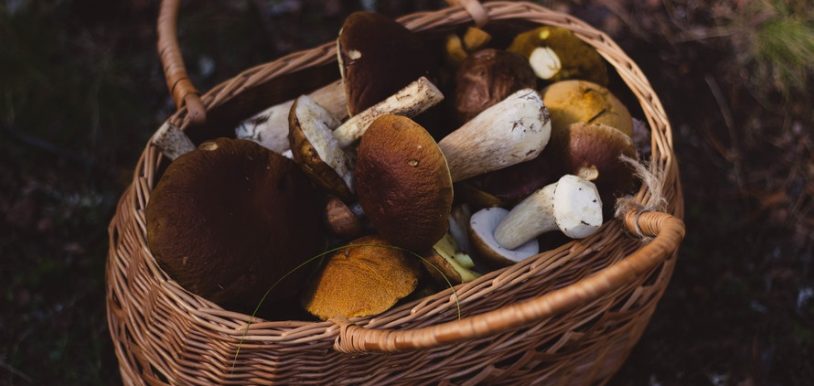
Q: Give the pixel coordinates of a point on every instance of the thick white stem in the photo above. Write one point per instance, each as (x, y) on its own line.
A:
(172, 141)
(512, 131)
(410, 101)
(529, 219)
(269, 127)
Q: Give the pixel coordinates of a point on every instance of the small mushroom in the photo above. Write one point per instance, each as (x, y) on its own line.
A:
(403, 183)
(446, 262)
(230, 218)
(571, 205)
(270, 126)
(172, 141)
(573, 101)
(475, 39)
(486, 78)
(557, 54)
(482, 227)
(593, 153)
(458, 49)
(315, 149)
(377, 57)
(341, 220)
(415, 98)
(362, 280)
(512, 131)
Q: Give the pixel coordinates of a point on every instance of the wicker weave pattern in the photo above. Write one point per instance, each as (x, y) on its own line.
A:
(165, 335)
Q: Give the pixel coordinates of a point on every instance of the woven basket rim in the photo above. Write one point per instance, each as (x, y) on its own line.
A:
(279, 331)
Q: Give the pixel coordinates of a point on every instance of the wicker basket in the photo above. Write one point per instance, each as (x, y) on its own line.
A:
(567, 316)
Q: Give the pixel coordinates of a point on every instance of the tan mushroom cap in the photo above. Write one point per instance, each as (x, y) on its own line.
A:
(230, 218)
(403, 183)
(573, 101)
(362, 281)
(377, 57)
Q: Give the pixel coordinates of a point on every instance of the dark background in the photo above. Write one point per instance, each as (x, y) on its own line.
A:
(81, 91)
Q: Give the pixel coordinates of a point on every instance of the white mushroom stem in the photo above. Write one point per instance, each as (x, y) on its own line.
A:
(414, 99)
(482, 230)
(545, 62)
(571, 205)
(172, 141)
(510, 132)
(270, 126)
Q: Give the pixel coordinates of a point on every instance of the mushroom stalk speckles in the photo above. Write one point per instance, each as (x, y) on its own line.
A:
(270, 126)
(571, 205)
(172, 141)
(410, 101)
(512, 131)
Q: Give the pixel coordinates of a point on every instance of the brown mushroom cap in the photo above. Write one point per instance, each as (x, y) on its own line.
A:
(486, 78)
(593, 153)
(378, 57)
(578, 60)
(227, 220)
(403, 183)
(315, 149)
(362, 281)
(573, 101)
(512, 184)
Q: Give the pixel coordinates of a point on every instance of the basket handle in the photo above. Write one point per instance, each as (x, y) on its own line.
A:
(184, 93)
(667, 230)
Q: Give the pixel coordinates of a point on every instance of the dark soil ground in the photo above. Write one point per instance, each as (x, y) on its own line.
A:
(81, 90)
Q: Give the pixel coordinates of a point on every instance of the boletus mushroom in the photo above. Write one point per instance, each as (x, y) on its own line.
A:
(573, 101)
(482, 227)
(403, 183)
(229, 219)
(447, 264)
(315, 149)
(512, 131)
(555, 54)
(593, 153)
(486, 78)
(270, 126)
(571, 205)
(590, 151)
(366, 278)
(377, 57)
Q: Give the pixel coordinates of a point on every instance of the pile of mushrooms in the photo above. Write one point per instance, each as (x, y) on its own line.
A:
(427, 166)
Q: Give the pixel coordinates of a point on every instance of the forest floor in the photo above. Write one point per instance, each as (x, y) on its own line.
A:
(81, 90)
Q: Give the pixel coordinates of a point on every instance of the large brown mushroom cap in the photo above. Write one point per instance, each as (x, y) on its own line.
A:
(403, 183)
(362, 281)
(573, 101)
(227, 220)
(486, 78)
(378, 57)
